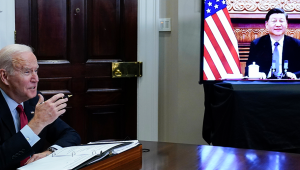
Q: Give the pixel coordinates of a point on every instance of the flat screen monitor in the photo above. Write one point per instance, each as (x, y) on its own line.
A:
(228, 31)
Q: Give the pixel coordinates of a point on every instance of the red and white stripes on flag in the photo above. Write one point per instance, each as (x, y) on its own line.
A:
(221, 57)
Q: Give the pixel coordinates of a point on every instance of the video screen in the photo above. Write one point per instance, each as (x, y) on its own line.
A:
(253, 41)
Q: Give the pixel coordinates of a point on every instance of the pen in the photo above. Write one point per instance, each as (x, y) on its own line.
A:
(67, 96)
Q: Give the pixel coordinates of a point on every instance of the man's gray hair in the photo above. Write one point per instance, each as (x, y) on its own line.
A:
(6, 55)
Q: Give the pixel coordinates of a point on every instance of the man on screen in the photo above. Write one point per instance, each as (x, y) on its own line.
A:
(276, 46)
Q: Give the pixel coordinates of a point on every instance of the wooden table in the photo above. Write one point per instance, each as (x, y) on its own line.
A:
(188, 157)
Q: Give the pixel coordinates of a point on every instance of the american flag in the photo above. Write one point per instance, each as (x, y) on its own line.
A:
(221, 58)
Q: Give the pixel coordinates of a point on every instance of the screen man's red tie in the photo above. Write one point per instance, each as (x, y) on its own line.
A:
(24, 121)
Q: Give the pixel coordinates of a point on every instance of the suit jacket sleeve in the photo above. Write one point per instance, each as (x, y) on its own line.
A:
(13, 146)
(13, 150)
(62, 134)
(291, 49)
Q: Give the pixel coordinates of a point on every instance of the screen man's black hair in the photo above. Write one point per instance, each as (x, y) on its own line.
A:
(275, 11)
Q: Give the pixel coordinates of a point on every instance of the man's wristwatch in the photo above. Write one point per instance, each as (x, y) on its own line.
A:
(52, 149)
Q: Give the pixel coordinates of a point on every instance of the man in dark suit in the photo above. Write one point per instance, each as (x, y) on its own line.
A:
(287, 48)
(19, 141)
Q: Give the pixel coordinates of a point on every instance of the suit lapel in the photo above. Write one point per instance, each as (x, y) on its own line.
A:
(28, 108)
(6, 116)
(267, 50)
(269, 45)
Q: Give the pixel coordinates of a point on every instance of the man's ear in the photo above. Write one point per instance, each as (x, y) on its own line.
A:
(4, 76)
(266, 24)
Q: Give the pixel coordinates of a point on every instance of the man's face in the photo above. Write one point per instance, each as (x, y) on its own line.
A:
(24, 81)
(277, 24)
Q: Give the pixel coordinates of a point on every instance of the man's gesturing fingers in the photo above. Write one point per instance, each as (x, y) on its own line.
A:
(56, 104)
(60, 101)
(56, 97)
(47, 112)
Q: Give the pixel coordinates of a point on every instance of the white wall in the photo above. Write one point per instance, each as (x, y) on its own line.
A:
(181, 98)
(7, 22)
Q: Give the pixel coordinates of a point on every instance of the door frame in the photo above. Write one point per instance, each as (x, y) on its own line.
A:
(147, 86)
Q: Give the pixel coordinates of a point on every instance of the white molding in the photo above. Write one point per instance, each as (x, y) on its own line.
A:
(147, 91)
(7, 20)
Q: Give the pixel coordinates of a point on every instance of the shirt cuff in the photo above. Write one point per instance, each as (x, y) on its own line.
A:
(56, 147)
(29, 135)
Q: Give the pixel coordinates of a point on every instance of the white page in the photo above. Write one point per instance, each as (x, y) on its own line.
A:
(122, 148)
(83, 150)
(64, 158)
(123, 141)
(125, 148)
(56, 163)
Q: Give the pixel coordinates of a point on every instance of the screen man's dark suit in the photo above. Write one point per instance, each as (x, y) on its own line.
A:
(14, 147)
(261, 54)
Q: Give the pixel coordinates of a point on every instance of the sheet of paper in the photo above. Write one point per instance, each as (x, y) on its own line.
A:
(51, 163)
(125, 148)
(122, 148)
(68, 158)
(122, 141)
(84, 150)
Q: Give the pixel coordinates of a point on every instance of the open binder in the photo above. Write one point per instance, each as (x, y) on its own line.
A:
(76, 157)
